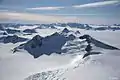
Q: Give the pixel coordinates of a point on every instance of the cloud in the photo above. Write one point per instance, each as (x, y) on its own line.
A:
(96, 4)
(35, 17)
(55, 18)
(3, 10)
(45, 8)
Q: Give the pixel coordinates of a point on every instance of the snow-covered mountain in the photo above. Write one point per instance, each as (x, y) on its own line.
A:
(63, 73)
(12, 31)
(38, 45)
(65, 30)
(12, 39)
(60, 51)
(97, 43)
(3, 33)
(1, 27)
(54, 26)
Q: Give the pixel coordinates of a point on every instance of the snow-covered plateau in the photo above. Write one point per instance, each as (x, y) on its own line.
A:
(59, 53)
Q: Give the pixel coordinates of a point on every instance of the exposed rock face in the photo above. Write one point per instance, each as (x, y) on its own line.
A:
(38, 45)
(77, 32)
(1, 27)
(97, 43)
(34, 44)
(29, 31)
(48, 45)
(12, 39)
(3, 33)
(65, 30)
(12, 31)
(71, 37)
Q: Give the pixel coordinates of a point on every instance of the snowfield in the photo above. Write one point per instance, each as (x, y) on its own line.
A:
(68, 65)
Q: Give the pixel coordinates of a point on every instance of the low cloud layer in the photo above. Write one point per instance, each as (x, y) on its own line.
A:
(35, 17)
(38, 18)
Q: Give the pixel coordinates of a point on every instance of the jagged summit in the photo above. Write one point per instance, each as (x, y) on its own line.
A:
(77, 32)
(4, 33)
(65, 30)
(34, 42)
(97, 43)
(71, 37)
(37, 38)
(38, 45)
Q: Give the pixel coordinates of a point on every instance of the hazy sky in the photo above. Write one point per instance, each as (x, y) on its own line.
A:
(49, 11)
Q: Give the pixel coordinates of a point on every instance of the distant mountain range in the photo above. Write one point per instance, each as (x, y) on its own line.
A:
(74, 25)
(12, 39)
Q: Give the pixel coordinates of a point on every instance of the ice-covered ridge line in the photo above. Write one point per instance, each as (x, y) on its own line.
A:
(58, 72)
(98, 43)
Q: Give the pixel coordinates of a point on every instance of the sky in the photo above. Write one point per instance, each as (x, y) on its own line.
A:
(52, 11)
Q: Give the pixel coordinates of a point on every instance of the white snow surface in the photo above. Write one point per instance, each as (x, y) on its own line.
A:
(22, 66)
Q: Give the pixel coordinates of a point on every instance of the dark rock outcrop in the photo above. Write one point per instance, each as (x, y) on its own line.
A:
(38, 45)
(12, 39)
(65, 30)
(97, 43)
(12, 31)
(29, 31)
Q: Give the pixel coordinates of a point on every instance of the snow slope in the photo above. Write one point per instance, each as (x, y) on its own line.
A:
(95, 67)
(22, 66)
